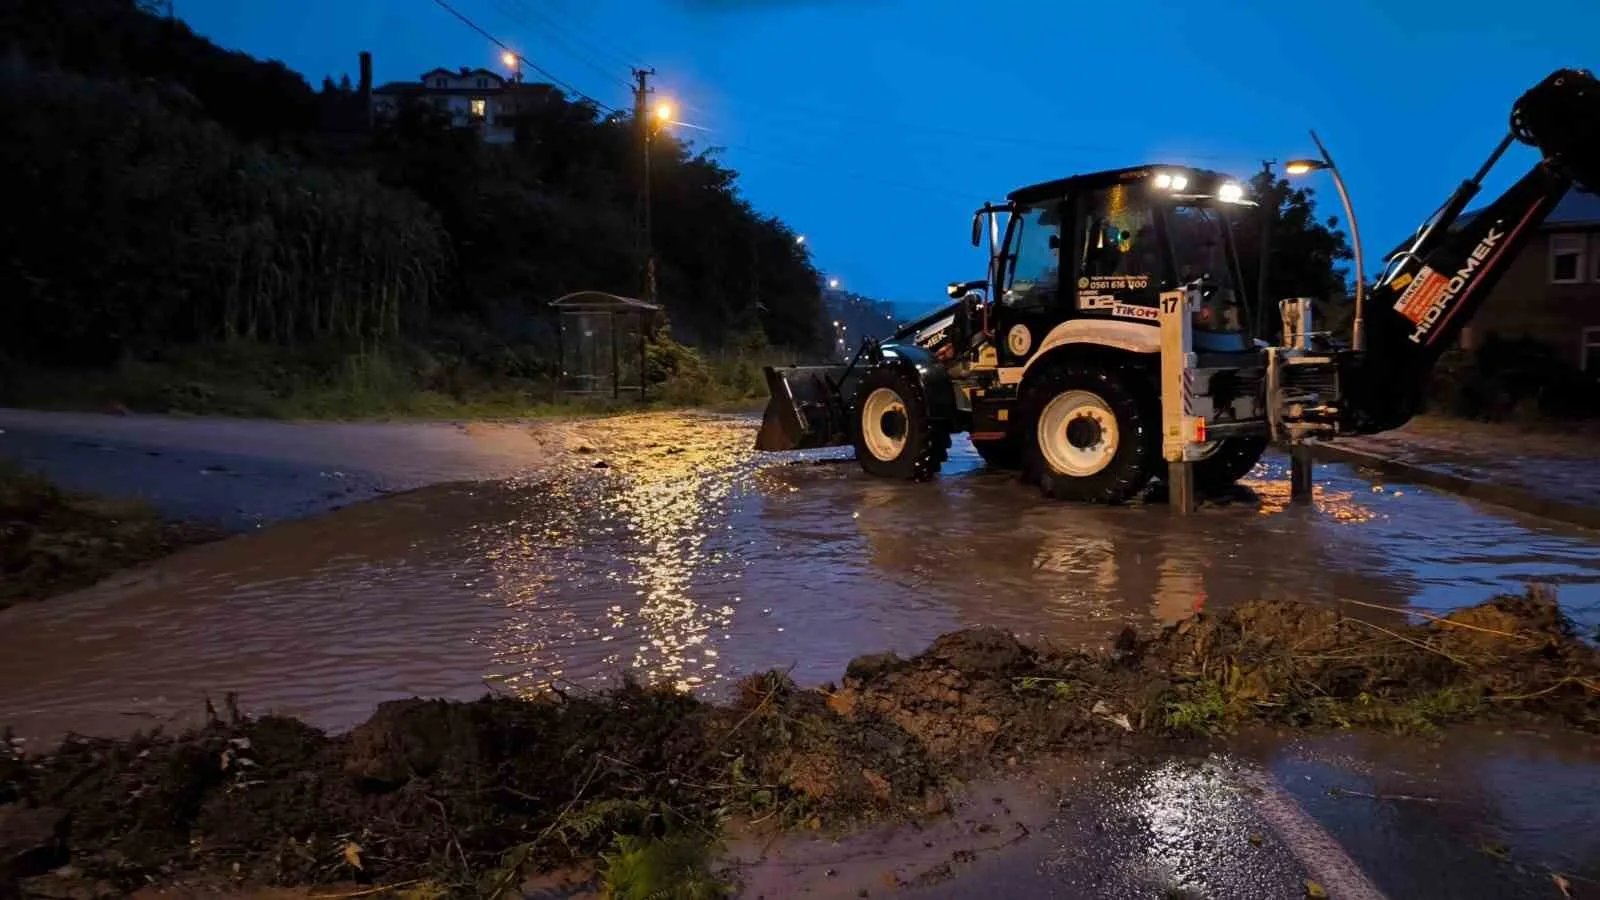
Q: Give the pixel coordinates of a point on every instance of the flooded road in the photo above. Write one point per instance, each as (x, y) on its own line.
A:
(662, 544)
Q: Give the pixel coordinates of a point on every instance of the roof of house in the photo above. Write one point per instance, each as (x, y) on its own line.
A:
(600, 301)
(463, 72)
(1578, 209)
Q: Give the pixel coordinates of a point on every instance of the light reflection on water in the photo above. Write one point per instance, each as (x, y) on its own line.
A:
(692, 561)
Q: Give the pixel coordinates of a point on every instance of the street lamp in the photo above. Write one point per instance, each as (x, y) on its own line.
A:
(513, 63)
(800, 239)
(1306, 166)
(833, 282)
(664, 112)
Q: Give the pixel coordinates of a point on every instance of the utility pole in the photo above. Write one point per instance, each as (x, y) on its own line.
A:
(1269, 220)
(641, 116)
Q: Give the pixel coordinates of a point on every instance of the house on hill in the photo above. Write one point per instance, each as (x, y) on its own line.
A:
(473, 98)
(1551, 292)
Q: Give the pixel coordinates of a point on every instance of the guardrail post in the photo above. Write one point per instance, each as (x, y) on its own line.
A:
(1181, 430)
(1300, 472)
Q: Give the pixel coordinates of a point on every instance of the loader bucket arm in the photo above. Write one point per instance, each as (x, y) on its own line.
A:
(1431, 291)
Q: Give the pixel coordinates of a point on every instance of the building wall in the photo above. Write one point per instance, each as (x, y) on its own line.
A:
(498, 105)
(1525, 304)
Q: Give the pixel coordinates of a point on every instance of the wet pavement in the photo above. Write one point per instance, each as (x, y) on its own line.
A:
(1550, 467)
(662, 544)
(1359, 817)
(242, 474)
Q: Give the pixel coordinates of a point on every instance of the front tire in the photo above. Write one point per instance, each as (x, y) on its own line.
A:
(1093, 433)
(895, 437)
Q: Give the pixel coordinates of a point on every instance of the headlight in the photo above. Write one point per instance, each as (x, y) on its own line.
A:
(1163, 180)
(1230, 193)
(1179, 182)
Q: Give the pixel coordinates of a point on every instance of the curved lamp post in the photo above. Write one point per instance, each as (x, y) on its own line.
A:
(1303, 166)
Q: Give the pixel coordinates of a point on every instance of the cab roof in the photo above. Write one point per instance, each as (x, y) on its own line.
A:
(1202, 181)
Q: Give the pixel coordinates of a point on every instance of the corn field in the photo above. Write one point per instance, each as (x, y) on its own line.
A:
(131, 222)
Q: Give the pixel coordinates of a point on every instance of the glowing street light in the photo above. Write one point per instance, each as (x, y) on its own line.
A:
(1306, 166)
(664, 112)
(509, 58)
(833, 282)
(800, 239)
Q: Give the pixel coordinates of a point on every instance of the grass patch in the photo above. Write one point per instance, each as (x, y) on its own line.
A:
(676, 867)
(53, 541)
(1203, 713)
(330, 382)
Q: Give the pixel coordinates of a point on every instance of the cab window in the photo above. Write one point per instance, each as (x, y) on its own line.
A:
(1035, 269)
(1120, 254)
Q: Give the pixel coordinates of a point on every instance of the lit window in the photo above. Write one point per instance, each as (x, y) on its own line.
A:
(480, 108)
(1566, 258)
(1590, 355)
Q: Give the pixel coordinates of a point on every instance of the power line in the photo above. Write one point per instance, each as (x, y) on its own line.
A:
(510, 8)
(622, 58)
(781, 110)
(861, 177)
(519, 57)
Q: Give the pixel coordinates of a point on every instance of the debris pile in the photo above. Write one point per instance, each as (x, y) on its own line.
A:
(469, 797)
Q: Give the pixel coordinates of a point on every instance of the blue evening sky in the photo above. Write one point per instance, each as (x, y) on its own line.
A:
(875, 127)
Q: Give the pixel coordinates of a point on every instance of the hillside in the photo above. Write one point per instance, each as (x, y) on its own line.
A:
(202, 230)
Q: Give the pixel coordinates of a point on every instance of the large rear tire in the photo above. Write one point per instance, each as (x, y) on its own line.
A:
(895, 437)
(1093, 432)
(1232, 460)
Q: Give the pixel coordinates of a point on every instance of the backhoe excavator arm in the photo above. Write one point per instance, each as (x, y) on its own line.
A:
(1430, 290)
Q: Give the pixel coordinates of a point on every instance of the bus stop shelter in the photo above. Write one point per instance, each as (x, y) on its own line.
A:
(603, 343)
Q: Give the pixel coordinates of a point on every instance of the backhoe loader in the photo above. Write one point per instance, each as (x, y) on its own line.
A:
(1110, 334)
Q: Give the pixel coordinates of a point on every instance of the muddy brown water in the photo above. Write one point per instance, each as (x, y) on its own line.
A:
(689, 558)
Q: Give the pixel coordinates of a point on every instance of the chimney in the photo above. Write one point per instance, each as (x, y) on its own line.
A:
(364, 90)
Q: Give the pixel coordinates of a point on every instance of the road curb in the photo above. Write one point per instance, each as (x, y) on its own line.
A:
(1517, 498)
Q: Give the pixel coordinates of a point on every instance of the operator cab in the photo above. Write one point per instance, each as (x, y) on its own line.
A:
(1105, 245)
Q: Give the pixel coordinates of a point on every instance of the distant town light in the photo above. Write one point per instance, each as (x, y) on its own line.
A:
(833, 282)
(800, 239)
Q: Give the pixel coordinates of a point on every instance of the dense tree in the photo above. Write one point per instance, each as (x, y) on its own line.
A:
(1307, 253)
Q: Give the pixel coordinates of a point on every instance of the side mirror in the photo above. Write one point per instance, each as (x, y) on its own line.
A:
(977, 229)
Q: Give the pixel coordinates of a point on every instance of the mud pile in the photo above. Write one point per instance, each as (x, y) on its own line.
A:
(465, 797)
